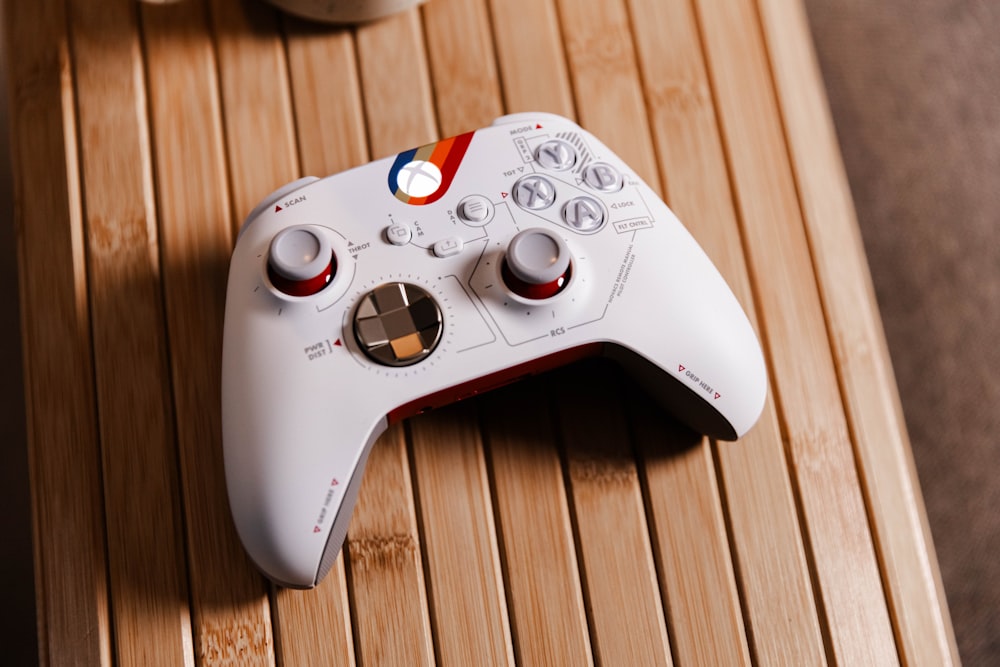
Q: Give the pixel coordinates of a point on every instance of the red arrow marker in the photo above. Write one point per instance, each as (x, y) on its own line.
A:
(277, 208)
(316, 529)
(538, 127)
(680, 368)
(503, 194)
(717, 394)
(338, 343)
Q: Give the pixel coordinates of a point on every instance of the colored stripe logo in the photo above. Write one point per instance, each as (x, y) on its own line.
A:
(423, 175)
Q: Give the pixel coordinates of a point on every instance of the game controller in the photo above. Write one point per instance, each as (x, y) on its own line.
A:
(437, 274)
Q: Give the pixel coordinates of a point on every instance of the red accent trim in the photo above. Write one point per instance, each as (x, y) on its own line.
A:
(530, 290)
(494, 381)
(303, 287)
(456, 148)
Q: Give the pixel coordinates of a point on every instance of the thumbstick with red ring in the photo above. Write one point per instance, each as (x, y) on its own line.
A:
(537, 264)
(300, 261)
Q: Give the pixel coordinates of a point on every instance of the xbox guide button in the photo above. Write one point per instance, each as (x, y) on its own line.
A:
(300, 261)
(419, 178)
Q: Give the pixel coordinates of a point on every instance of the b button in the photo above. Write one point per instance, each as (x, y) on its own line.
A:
(603, 177)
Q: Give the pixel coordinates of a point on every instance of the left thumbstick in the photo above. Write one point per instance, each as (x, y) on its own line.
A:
(300, 261)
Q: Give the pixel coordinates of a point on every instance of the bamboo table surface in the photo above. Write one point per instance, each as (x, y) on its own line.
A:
(559, 521)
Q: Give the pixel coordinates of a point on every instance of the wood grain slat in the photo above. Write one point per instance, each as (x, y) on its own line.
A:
(527, 39)
(627, 623)
(853, 608)
(74, 625)
(689, 534)
(544, 594)
(312, 627)
(468, 606)
(256, 101)
(392, 618)
(464, 71)
(231, 610)
(142, 493)
(605, 80)
(910, 573)
(398, 99)
(326, 97)
(773, 575)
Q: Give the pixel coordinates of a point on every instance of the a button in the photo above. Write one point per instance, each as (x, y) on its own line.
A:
(584, 214)
(603, 177)
(556, 154)
(475, 210)
(534, 192)
(537, 264)
(300, 261)
(398, 324)
(398, 234)
(448, 247)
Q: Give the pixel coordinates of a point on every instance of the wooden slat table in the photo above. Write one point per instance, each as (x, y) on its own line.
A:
(561, 521)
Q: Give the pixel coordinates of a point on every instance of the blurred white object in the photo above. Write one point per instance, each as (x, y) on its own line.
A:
(344, 11)
(332, 11)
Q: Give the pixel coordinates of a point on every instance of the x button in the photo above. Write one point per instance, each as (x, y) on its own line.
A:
(534, 193)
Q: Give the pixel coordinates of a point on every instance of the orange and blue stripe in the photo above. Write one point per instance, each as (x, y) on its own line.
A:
(446, 155)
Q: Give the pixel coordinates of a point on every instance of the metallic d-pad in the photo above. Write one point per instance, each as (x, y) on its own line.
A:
(397, 324)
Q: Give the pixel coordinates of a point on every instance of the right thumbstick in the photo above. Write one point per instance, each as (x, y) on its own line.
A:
(537, 264)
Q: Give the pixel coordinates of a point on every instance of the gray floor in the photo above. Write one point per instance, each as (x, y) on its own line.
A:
(915, 90)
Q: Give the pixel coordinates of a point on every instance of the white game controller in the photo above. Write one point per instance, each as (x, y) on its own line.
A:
(420, 279)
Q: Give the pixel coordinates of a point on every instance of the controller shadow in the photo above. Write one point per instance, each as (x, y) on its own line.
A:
(157, 341)
(593, 415)
(598, 409)
(578, 451)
